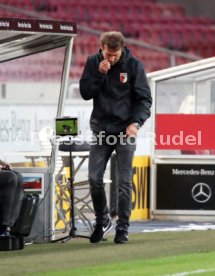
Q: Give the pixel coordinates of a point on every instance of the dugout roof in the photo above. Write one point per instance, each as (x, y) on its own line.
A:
(21, 37)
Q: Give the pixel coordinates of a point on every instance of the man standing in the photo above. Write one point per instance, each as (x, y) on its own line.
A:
(116, 81)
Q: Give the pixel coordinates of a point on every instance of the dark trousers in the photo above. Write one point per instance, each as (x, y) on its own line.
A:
(100, 152)
(11, 193)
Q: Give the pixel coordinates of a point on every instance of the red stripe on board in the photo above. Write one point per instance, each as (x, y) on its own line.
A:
(185, 131)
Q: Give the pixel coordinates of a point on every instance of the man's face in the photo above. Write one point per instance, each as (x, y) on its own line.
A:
(112, 56)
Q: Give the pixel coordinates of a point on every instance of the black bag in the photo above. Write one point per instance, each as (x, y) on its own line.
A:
(23, 224)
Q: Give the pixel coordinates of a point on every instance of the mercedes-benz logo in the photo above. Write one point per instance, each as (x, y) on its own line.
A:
(201, 192)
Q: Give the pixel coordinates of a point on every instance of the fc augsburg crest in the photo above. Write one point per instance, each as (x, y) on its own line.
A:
(123, 77)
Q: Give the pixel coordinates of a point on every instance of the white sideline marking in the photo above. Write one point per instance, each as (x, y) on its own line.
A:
(189, 227)
(191, 272)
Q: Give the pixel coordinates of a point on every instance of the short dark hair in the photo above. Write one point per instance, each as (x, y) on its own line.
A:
(114, 40)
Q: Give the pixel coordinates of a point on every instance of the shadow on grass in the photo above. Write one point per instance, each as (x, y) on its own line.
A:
(148, 243)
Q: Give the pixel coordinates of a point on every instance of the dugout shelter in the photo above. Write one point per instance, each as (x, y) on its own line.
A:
(20, 39)
(182, 140)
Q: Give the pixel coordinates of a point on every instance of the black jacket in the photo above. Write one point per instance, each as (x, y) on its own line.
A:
(120, 97)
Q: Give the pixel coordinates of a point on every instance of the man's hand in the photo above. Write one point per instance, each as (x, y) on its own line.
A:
(104, 66)
(132, 130)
